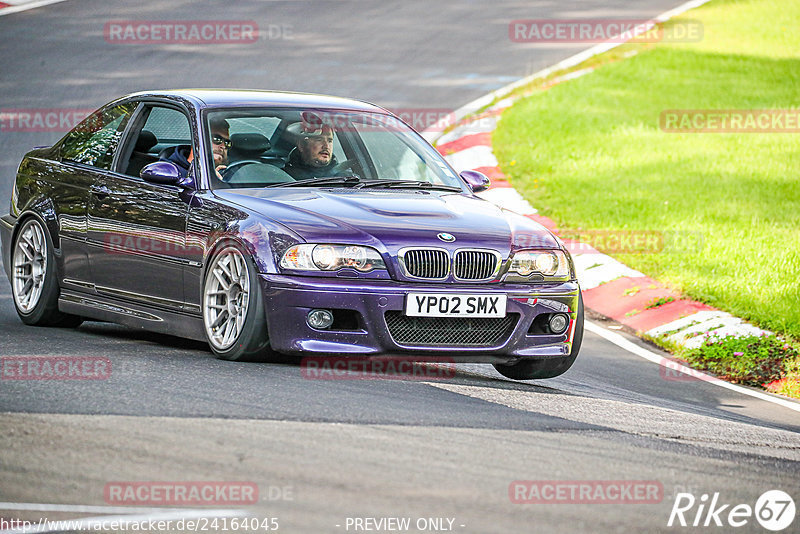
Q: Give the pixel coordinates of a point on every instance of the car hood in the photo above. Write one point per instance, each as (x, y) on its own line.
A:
(391, 220)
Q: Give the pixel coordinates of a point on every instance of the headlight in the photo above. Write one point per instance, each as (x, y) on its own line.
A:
(550, 263)
(312, 257)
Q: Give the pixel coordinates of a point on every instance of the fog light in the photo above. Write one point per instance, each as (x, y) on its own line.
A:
(320, 319)
(558, 323)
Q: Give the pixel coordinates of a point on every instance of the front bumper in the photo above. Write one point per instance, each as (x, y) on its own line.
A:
(289, 299)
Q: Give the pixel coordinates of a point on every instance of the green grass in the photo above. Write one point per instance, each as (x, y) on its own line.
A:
(589, 153)
(754, 360)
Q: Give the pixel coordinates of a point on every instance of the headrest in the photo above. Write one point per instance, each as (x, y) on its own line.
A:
(250, 142)
(146, 141)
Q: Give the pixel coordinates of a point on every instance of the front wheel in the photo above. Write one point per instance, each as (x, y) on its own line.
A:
(34, 282)
(552, 367)
(233, 307)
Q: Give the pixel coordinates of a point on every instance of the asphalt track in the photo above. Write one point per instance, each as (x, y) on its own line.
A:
(362, 448)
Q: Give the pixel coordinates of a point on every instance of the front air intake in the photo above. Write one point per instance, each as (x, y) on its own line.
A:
(426, 263)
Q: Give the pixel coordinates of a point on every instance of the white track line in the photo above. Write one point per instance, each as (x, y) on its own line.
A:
(24, 7)
(642, 352)
(434, 132)
(431, 132)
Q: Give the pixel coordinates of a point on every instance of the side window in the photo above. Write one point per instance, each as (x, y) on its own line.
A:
(170, 126)
(166, 130)
(94, 140)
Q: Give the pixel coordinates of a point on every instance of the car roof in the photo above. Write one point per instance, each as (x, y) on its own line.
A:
(222, 98)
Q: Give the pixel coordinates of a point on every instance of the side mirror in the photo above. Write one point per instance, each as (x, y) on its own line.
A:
(477, 181)
(163, 173)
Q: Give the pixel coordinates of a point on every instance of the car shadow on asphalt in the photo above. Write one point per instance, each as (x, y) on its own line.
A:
(475, 375)
(117, 332)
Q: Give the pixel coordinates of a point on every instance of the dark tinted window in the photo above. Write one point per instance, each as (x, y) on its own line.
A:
(94, 141)
(164, 130)
(169, 126)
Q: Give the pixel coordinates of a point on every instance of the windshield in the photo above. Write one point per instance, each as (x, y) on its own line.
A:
(280, 147)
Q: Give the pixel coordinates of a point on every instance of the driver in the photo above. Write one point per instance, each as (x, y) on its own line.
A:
(313, 156)
(183, 155)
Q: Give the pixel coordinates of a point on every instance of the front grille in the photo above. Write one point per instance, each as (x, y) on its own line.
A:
(450, 331)
(475, 264)
(427, 263)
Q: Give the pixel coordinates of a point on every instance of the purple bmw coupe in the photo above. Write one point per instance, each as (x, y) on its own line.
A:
(271, 223)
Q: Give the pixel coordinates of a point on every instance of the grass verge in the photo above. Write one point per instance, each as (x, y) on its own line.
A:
(589, 153)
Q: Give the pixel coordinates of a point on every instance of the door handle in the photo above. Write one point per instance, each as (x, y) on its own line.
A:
(100, 192)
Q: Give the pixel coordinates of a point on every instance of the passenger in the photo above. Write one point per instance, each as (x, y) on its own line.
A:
(183, 155)
(313, 156)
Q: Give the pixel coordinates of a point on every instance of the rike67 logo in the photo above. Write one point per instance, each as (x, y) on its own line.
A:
(774, 510)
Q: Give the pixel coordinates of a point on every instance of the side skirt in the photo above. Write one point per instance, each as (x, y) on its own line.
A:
(132, 315)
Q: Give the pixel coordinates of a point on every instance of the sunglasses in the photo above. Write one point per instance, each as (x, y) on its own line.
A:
(219, 140)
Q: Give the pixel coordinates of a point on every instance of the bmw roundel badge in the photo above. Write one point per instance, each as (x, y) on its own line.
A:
(447, 238)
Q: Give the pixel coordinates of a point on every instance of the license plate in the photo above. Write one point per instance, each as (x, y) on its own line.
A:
(449, 305)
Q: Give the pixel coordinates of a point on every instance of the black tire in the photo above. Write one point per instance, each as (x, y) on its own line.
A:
(44, 312)
(551, 367)
(252, 342)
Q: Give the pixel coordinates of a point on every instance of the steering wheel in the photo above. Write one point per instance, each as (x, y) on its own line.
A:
(235, 166)
(339, 167)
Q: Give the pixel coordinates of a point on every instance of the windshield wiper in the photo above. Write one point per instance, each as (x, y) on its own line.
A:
(324, 180)
(406, 184)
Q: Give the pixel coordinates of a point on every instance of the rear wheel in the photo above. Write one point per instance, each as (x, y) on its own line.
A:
(551, 367)
(233, 307)
(33, 278)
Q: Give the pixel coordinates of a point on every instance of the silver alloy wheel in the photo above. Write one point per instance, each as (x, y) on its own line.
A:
(29, 266)
(226, 297)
